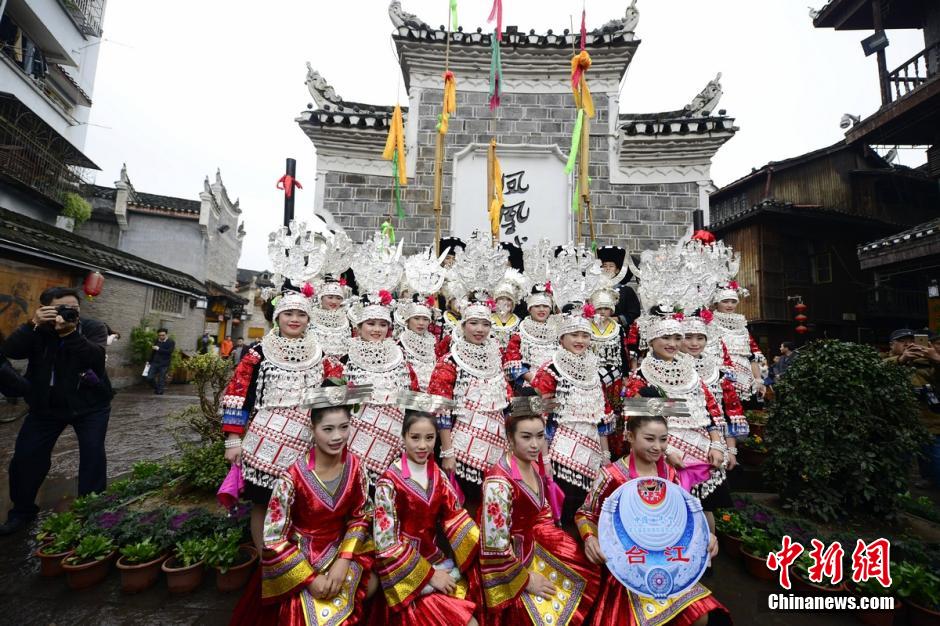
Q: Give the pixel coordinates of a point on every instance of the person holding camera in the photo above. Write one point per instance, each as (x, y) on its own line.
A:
(68, 385)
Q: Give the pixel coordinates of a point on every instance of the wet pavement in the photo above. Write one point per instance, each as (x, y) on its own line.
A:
(138, 430)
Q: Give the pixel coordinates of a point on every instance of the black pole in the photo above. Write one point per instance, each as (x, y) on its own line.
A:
(698, 219)
(289, 191)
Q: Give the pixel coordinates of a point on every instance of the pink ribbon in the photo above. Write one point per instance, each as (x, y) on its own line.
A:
(231, 487)
(497, 12)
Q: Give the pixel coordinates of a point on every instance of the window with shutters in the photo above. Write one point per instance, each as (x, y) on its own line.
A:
(165, 301)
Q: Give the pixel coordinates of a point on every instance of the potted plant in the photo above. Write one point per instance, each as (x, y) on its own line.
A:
(872, 588)
(756, 545)
(185, 569)
(757, 422)
(55, 524)
(920, 588)
(75, 211)
(730, 526)
(232, 561)
(140, 565)
(799, 575)
(90, 562)
(54, 552)
(753, 451)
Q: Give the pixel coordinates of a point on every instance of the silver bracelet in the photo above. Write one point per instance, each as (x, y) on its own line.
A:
(733, 451)
(717, 445)
(448, 454)
(233, 442)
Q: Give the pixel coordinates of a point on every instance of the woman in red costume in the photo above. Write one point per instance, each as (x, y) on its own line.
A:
(533, 572)
(414, 500)
(616, 605)
(317, 560)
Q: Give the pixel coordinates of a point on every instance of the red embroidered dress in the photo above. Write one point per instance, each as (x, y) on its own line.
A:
(472, 376)
(616, 605)
(519, 536)
(262, 403)
(407, 519)
(375, 430)
(721, 387)
(734, 344)
(307, 527)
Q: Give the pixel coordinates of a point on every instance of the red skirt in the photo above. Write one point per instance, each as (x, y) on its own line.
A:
(433, 609)
(614, 608)
(565, 549)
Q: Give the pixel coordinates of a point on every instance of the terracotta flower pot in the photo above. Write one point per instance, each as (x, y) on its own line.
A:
(182, 579)
(50, 565)
(751, 457)
(84, 575)
(730, 545)
(757, 567)
(136, 577)
(237, 576)
(810, 588)
(922, 616)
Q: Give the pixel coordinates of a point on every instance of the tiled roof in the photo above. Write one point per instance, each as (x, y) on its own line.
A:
(912, 235)
(244, 277)
(354, 115)
(516, 38)
(142, 200)
(35, 238)
(790, 209)
(215, 289)
(674, 122)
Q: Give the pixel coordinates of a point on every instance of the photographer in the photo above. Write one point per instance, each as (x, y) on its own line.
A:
(67, 386)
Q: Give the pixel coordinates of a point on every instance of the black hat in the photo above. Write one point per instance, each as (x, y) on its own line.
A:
(612, 254)
(453, 243)
(515, 254)
(901, 333)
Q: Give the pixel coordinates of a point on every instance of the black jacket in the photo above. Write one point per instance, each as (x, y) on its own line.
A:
(163, 356)
(628, 307)
(80, 383)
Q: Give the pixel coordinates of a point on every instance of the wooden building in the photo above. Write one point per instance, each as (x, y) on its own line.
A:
(798, 223)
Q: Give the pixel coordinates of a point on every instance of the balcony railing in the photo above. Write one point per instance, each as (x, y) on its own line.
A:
(33, 154)
(87, 15)
(919, 70)
(887, 301)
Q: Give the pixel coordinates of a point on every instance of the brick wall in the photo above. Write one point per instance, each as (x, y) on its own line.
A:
(633, 216)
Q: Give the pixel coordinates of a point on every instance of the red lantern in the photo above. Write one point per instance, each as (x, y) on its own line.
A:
(800, 318)
(799, 307)
(93, 285)
(801, 329)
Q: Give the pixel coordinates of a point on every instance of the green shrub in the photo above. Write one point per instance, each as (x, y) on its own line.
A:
(211, 375)
(223, 551)
(204, 467)
(190, 551)
(143, 338)
(730, 523)
(841, 433)
(76, 207)
(55, 524)
(919, 585)
(65, 539)
(92, 548)
(758, 542)
(141, 552)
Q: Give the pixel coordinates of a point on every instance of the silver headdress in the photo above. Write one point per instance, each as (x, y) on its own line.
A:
(677, 281)
(477, 269)
(513, 285)
(575, 274)
(378, 267)
(297, 255)
(337, 261)
(537, 260)
(424, 275)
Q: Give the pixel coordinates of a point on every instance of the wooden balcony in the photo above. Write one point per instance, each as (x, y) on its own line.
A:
(914, 73)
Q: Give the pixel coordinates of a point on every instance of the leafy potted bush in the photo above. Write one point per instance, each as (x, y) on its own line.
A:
(920, 588)
(753, 450)
(841, 412)
(54, 552)
(55, 524)
(140, 565)
(186, 568)
(75, 211)
(873, 588)
(756, 421)
(232, 561)
(756, 545)
(731, 527)
(90, 563)
(799, 576)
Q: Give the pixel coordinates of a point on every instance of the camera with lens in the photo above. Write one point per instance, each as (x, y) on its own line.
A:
(67, 313)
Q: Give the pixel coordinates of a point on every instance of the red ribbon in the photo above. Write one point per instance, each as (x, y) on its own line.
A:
(497, 13)
(583, 28)
(287, 184)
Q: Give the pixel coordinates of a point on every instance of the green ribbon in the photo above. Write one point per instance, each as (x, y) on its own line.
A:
(388, 231)
(401, 212)
(575, 142)
(496, 64)
(574, 197)
(453, 15)
(594, 246)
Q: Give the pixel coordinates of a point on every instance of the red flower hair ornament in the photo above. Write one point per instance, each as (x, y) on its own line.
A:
(307, 290)
(706, 315)
(385, 297)
(491, 304)
(588, 310)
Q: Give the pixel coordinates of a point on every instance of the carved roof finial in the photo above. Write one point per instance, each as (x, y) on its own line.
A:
(321, 91)
(707, 99)
(626, 24)
(401, 18)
